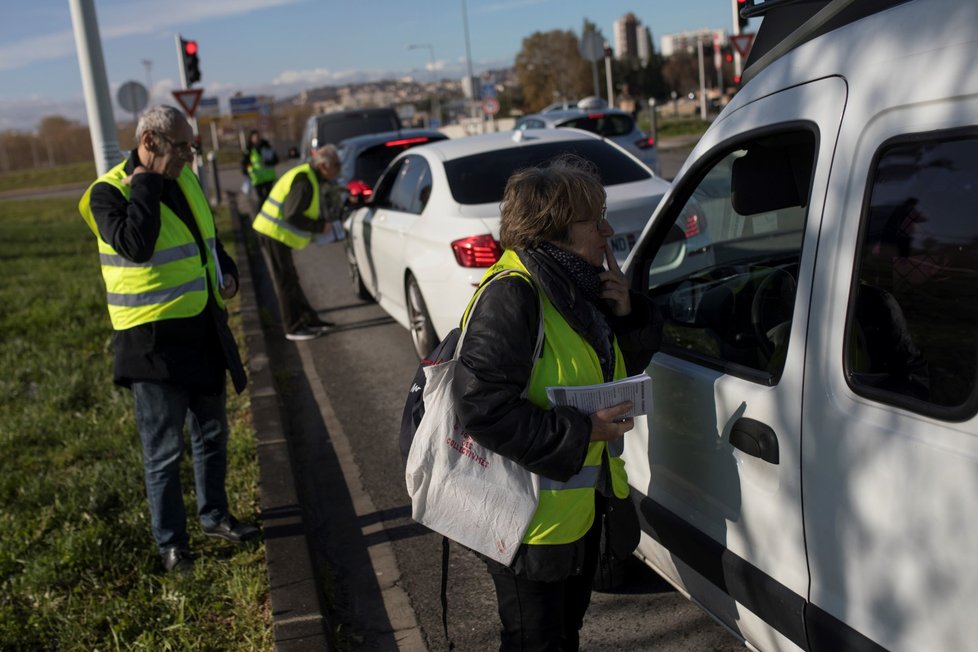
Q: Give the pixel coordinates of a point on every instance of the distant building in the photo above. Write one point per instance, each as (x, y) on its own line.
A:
(686, 41)
(630, 38)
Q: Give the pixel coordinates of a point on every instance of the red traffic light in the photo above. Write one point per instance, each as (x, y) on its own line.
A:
(190, 47)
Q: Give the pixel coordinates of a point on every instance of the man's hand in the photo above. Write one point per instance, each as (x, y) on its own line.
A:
(230, 287)
(610, 423)
(614, 287)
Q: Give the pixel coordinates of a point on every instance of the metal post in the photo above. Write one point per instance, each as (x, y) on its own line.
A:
(607, 73)
(699, 51)
(738, 64)
(98, 102)
(212, 160)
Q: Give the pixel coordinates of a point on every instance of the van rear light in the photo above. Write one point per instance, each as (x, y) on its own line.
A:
(359, 188)
(645, 143)
(477, 251)
(595, 116)
(400, 142)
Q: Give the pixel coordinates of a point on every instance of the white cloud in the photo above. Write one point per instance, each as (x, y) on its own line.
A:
(130, 19)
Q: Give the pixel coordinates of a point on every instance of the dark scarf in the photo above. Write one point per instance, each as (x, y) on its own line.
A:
(573, 286)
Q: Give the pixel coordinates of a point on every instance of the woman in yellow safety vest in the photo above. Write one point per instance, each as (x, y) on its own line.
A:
(554, 230)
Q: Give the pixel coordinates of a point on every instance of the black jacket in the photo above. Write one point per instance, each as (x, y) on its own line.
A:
(191, 352)
(246, 156)
(496, 366)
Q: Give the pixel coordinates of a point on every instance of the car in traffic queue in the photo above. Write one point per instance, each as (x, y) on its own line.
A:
(332, 127)
(614, 124)
(807, 473)
(422, 243)
(364, 158)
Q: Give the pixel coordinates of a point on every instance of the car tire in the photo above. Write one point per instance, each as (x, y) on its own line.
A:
(359, 289)
(422, 331)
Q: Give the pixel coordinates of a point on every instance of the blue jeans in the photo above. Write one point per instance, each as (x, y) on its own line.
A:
(162, 410)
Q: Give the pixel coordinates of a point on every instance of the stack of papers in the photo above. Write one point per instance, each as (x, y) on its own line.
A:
(591, 398)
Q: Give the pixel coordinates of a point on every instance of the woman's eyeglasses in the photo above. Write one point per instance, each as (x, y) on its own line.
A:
(602, 218)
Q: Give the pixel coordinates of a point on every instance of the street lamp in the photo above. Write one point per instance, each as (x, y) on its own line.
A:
(435, 104)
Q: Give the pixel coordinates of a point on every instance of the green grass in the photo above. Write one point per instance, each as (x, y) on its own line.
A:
(78, 565)
(73, 173)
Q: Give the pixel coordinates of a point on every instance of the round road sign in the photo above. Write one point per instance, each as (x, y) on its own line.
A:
(490, 106)
(132, 96)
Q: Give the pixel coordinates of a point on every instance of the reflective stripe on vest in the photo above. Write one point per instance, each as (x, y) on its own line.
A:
(566, 509)
(270, 220)
(173, 283)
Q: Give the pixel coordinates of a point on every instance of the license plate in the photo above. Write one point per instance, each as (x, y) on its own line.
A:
(622, 244)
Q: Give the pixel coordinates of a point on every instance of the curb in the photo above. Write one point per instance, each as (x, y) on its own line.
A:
(294, 588)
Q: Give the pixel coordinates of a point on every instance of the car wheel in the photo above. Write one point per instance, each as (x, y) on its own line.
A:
(356, 280)
(422, 331)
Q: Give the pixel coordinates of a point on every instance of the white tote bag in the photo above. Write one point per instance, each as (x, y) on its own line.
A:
(459, 488)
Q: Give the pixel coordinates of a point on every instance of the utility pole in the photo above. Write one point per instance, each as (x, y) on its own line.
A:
(148, 64)
(699, 52)
(98, 102)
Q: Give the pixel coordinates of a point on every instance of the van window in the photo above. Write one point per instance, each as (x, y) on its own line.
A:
(726, 273)
(912, 332)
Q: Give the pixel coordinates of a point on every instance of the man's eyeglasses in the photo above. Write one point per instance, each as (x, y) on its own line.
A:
(186, 149)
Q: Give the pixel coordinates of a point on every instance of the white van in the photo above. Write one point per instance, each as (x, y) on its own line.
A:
(809, 472)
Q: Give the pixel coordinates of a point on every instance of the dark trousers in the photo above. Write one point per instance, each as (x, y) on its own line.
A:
(292, 301)
(262, 190)
(546, 616)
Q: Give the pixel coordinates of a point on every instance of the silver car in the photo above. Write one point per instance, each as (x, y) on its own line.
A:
(614, 124)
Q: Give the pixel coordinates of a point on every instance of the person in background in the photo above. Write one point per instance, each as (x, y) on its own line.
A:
(301, 203)
(258, 165)
(167, 278)
(554, 229)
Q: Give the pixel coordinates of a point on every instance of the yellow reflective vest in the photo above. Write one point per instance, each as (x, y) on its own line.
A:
(173, 283)
(258, 172)
(270, 220)
(566, 509)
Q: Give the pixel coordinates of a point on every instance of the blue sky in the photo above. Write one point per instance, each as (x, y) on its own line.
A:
(278, 47)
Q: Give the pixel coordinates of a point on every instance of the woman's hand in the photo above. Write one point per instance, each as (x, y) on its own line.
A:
(610, 423)
(614, 287)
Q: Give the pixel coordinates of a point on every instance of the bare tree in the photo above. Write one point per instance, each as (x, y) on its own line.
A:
(549, 66)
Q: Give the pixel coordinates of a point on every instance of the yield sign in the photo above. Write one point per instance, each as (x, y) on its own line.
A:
(188, 99)
(742, 43)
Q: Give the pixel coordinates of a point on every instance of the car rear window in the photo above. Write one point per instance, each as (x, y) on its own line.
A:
(334, 128)
(373, 161)
(481, 178)
(608, 125)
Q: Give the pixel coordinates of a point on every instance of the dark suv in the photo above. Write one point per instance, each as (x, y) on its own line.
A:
(325, 128)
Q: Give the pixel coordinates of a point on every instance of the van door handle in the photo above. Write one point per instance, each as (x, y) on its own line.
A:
(755, 438)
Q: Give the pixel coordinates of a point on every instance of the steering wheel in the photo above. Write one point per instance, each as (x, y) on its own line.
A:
(773, 303)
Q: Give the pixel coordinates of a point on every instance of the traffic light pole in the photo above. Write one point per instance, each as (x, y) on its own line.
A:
(198, 159)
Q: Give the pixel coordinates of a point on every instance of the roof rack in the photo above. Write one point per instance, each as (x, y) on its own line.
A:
(790, 23)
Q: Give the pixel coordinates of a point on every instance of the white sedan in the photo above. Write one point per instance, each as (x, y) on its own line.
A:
(423, 242)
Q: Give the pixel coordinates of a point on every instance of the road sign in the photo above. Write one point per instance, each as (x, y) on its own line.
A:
(742, 43)
(490, 106)
(132, 96)
(188, 99)
(592, 46)
(208, 107)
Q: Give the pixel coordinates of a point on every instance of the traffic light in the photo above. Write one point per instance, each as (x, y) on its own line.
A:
(740, 5)
(191, 64)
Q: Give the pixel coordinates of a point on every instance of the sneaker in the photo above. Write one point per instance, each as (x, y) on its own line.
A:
(306, 333)
(230, 529)
(177, 558)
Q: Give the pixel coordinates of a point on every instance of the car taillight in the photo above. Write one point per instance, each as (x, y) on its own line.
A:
(645, 143)
(358, 188)
(595, 116)
(477, 251)
(400, 142)
(692, 225)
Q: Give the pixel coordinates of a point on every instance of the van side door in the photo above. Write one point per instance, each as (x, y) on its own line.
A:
(716, 467)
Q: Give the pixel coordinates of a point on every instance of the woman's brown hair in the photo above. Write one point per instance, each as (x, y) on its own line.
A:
(539, 204)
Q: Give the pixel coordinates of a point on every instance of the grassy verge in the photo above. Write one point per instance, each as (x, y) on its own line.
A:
(47, 177)
(78, 566)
